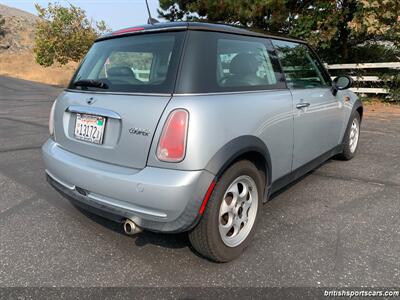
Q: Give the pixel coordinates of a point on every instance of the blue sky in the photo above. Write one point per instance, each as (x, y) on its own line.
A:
(117, 14)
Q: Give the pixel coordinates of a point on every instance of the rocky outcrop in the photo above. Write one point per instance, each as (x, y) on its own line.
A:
(19, 32)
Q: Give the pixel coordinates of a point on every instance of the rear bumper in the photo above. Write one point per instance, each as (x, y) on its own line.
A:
(154, 198)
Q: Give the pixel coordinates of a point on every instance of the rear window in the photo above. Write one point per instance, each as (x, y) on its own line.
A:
(138, 64)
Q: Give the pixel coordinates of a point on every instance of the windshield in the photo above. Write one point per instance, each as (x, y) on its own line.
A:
(140, 63)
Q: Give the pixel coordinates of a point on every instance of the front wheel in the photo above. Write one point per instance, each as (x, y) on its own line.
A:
(232, 212)
(352, 135)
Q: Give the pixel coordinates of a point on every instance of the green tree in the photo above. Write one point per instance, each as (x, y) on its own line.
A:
(64, 34)
(334, 27)
(268, 15)
(338, 27)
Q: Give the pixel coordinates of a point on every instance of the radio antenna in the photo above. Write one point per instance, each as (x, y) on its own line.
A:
(150, 20)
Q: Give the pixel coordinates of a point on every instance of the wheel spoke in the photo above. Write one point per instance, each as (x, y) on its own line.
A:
(224, 229)
(234, 189)
(225, 208)
(243, 219)
(236, 227)
(245, 190)
(246, 206)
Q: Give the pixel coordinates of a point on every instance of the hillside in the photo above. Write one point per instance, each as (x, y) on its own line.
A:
(16, 50)
(19, 33)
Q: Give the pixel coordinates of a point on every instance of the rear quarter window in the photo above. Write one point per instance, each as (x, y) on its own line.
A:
(222, 62)
(243, 64)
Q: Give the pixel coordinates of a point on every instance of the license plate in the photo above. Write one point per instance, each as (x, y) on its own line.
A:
(90, 128)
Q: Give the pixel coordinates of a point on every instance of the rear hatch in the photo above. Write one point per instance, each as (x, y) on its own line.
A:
(112, 107)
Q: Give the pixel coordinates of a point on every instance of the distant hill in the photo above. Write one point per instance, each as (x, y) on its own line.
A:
(16, 50)
(19, 29)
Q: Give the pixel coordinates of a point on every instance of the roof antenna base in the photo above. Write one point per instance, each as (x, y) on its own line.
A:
(150, 20)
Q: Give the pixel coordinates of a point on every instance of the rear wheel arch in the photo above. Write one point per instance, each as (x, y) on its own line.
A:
(257, 159)
(246, 147)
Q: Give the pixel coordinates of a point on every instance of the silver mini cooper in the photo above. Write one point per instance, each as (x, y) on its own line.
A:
(191, 127)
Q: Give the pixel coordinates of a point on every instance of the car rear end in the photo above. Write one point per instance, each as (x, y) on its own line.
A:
(103, 129)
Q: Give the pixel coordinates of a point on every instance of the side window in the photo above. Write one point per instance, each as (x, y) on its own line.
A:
(243, 64)
(300, 66)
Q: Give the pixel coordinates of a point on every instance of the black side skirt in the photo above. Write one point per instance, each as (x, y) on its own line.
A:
(301, 171)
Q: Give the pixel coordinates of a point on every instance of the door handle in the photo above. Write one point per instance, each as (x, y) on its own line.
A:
(302, 105)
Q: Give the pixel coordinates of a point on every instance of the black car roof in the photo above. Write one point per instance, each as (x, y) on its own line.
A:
(171, 26)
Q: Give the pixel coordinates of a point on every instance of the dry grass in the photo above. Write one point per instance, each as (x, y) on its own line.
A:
(381, 110)
(17, 57)
(23, 65)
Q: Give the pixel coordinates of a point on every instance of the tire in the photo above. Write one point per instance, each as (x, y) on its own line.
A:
(349, 148)
(211, 237)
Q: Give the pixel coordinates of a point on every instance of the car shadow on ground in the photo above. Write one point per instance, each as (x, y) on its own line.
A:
(173, 241)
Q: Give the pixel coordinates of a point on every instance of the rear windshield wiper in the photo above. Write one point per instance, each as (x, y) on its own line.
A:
(91, 83)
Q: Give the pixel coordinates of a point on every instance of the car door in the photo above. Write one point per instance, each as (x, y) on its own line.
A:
(317, 113)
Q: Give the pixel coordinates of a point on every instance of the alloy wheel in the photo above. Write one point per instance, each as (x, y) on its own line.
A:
(238, 211)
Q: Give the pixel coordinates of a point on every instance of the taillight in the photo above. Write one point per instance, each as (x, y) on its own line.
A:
(172, 143)
(51, 118)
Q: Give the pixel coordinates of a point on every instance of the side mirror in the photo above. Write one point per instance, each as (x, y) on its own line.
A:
(342, 82)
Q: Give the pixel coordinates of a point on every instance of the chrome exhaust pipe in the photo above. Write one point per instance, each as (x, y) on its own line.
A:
(130, 227)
